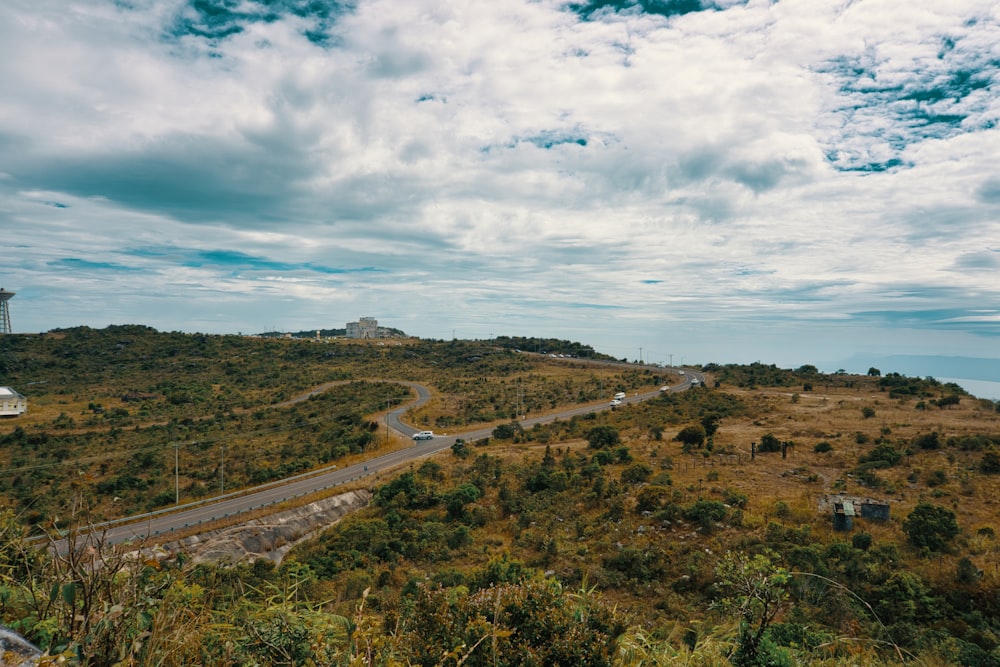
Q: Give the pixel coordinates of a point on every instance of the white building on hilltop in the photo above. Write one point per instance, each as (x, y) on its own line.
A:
(366, 327)
(12, 403)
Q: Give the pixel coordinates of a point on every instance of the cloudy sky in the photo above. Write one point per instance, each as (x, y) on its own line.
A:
(792, 182)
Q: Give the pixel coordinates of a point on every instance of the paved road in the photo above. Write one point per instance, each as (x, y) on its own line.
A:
(178, 518)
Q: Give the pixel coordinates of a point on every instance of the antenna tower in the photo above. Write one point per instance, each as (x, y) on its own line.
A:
(5, 296)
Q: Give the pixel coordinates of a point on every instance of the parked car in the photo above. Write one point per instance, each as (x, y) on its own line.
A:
(423, 435)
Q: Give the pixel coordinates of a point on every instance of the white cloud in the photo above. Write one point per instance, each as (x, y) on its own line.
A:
(624, 178)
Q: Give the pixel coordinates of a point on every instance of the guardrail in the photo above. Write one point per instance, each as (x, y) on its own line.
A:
(263, 505)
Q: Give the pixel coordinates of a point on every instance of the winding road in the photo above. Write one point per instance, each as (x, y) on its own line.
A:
(154, 525)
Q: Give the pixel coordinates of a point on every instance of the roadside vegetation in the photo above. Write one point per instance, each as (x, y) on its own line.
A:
(120, 418)
(693, 529)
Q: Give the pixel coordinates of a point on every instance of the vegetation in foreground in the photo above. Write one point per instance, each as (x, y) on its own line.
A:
(651, 535)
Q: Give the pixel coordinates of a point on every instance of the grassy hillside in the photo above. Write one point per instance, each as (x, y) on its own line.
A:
(616, 508)
(109, 409)
(696, 528)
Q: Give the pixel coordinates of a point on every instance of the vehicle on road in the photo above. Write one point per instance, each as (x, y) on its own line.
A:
(423, 435)
(664, 388)
(616, 402)
(620, 395)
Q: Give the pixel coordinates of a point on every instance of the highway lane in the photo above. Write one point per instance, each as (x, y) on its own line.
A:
(156, 524)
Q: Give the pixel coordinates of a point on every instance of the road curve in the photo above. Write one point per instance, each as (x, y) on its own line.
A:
(156, 524)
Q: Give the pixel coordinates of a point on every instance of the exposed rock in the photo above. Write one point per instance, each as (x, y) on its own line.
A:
(269, 537)
(15, 650)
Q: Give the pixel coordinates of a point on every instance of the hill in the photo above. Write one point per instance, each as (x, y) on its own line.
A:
(128, 419)
(696, 528)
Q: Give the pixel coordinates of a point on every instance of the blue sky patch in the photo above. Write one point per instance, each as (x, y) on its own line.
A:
(935, 98)
(239, 260)
(595, 9)
(546, 140)
(77, 264)
(215, 20)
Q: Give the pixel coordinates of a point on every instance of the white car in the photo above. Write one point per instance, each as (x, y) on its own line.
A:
(423, 435)
(615, 403)
(620, 395)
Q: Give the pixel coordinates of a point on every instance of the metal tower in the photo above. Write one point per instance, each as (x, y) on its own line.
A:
(5, 296)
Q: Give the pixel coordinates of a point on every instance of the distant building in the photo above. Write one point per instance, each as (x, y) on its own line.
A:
(846, 508)
(366, 327)
(843, 515)
(12, 403)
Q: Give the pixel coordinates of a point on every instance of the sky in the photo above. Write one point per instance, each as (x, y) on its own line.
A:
(684, 181)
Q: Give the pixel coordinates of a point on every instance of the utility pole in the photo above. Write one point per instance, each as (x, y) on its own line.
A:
(388, 406)
(177, 475)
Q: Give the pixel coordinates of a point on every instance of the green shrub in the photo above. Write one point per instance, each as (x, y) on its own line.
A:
(931, 527)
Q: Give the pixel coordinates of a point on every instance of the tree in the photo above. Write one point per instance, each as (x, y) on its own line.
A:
(691, 436)
(754, 588)
(507, 431)
(874, 372)
(636, 474)
(930, 526)
(460, 448)
(602, 437)
(456, 499)
(710, 423)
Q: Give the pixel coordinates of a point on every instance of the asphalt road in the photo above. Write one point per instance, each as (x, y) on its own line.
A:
(157, 524)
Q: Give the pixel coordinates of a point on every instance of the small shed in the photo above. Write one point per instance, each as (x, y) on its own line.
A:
(874, 510)
(12, 404)
(843, 515)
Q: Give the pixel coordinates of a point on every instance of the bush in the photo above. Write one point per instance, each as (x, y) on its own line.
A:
(636, 474)
(931, 527)
(769, 443)
(735, 498)
(862, 541)
(602, 437)
(822, 447)
(928, 441)
(652, 498)
(691, 436)
(706, 513)
(883, 456)
(947, 401)
(507, 431)
(990, 463)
